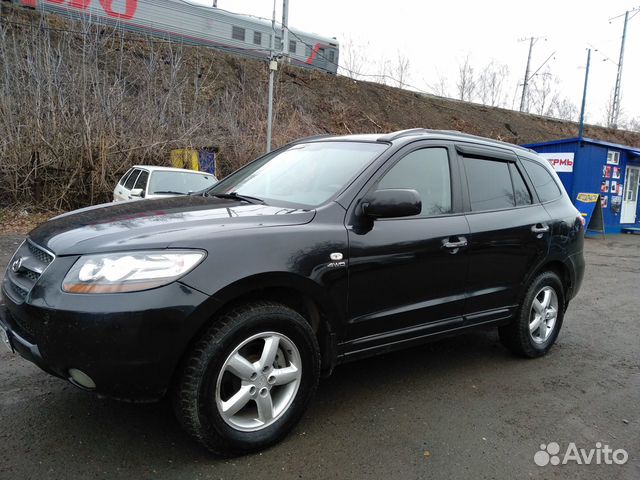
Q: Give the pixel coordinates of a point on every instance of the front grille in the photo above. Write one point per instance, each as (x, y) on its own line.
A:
(21, 293)
(45, 257)
(25, 268)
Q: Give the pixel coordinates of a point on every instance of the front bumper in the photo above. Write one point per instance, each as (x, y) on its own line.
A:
(128, 344)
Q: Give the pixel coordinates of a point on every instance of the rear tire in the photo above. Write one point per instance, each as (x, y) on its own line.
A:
(537, 324)
(249, 379)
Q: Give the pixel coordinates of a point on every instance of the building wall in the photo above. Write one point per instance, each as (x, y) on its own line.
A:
(588, 175)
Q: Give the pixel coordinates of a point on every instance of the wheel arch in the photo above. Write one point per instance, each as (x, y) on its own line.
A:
(557, 266)
(299, 293)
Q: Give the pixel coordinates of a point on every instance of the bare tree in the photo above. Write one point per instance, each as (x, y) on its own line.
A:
(441, 87)
(401, 70)
(490, 84)
(563, 108)
(353, 57)
(608, 114)
(466, 84)
(383, 71)
(543, 90)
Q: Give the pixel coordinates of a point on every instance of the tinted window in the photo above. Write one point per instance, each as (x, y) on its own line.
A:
(257, 38)
(124, 177)
(142, 180)
(489, 184)
(179, 182)
(132, 179)
(543, 182)
(520, 190)
(237, 33)
(427, 172)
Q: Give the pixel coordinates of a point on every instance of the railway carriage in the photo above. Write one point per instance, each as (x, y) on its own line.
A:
(200, 25)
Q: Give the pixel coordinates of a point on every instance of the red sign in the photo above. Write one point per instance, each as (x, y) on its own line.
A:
(561, 162)
(130, 6)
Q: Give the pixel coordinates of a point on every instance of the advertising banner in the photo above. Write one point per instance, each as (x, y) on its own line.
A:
(561, 162)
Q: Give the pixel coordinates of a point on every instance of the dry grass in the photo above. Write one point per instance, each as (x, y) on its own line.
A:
(77, 109)
(21, 220)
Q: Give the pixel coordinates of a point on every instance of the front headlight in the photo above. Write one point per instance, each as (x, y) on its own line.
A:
(129, 271)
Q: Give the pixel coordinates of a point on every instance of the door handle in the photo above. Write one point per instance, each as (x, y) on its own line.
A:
(540, 228)
(454, 246)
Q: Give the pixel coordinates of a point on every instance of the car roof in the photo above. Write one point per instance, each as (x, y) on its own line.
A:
(417, 133)
(155, 168)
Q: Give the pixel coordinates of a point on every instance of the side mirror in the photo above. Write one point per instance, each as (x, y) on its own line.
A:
(137, 192)
(392, 202)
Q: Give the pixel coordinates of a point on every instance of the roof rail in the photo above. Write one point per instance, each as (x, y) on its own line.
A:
(390, 137)
(311, 137)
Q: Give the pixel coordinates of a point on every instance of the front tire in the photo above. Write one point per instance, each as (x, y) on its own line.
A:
(249, 379)
(538, 322)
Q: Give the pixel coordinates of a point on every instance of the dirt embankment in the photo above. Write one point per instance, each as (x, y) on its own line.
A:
(80, 104)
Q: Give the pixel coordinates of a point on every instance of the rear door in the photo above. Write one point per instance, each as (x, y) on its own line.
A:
(141, 183)
(510, 233)
(119, 191)
(129, 184)
(406, 276)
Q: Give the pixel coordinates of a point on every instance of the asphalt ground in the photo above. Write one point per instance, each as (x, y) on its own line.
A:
(462, 407)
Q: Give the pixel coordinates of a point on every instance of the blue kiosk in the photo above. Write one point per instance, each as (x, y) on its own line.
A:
(593, 166)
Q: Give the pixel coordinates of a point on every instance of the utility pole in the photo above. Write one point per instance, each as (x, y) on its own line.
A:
(615, 108)
(584, 96)
(285, 27)
(273, 66)
(525, 85)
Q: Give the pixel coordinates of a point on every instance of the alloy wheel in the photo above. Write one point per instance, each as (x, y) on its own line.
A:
(258, 381)
(544, 314)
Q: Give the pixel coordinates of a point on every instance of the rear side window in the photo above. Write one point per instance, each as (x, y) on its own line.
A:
(543, 182)
(124, 177)
(427, 172)
(489, 183)
(521, 193)
(132, 179)
(142, 180)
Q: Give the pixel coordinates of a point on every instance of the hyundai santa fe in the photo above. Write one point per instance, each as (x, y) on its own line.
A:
(234, 301)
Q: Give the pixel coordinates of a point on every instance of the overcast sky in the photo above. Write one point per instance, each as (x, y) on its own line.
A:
(437, 36)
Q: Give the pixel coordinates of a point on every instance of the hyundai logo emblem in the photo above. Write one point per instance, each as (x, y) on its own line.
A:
(15, 266)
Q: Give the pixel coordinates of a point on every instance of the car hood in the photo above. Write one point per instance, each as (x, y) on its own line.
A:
(156, 223)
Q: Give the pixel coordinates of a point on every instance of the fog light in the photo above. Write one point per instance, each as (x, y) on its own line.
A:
(81, 378)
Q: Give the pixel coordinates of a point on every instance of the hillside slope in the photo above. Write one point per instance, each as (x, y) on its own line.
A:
(79, 104)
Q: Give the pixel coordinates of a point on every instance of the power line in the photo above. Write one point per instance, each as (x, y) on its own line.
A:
(525, 84)
(615, 108)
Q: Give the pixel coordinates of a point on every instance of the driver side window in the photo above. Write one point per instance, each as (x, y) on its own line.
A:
(426, 171)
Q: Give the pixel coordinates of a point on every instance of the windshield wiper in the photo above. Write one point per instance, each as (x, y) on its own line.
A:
(168, 191)
(237, 196)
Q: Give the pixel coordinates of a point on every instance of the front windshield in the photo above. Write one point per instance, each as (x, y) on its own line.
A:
(171, 181)
(307, 174)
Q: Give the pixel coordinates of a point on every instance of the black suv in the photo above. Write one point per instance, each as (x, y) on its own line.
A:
(237, 299)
